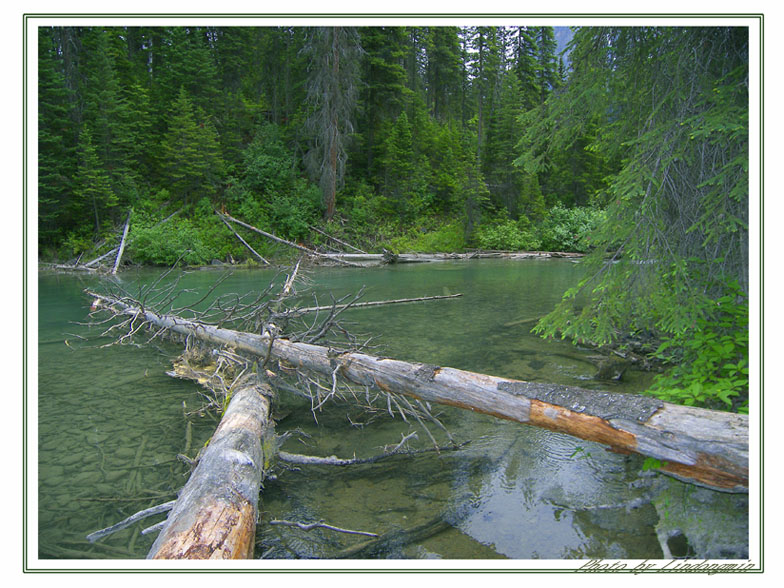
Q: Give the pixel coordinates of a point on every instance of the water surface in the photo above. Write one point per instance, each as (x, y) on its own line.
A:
(111, 424)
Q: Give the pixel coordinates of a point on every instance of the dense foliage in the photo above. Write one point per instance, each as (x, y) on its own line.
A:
(631, 146)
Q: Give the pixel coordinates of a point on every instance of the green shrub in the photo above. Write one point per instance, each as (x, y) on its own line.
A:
(506, 235)
(165, 243)
(710, 360)
(569, 229)
(443, 239)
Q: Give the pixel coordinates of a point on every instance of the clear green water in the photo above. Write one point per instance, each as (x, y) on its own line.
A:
(111, 423)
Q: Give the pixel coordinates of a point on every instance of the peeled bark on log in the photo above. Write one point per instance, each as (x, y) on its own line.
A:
(698, 445)
(216, 512)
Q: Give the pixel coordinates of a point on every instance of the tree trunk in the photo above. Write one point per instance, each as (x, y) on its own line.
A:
(698, 445)
(122, 244)
(215, 515)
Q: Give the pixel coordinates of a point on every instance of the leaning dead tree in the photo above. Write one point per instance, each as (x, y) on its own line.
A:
(702, 446)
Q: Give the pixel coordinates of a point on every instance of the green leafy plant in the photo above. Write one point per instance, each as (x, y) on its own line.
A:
(709, 360)
(569, 229)
(507, 235)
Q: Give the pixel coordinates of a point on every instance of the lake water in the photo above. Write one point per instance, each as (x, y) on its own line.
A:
(111, 423)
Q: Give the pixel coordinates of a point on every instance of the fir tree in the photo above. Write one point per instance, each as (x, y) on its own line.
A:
(93, 192)
(191, 152)
(56, 140)
(332, 87)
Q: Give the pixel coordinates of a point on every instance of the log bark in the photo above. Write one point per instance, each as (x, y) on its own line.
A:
(215, 515)
(702, 446)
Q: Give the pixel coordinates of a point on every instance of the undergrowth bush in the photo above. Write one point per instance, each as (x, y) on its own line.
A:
(165, 243)
(709, 362)
(569, 229)
(507, 235)
(442, 239)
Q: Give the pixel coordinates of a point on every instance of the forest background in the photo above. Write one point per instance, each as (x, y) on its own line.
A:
(630, 145)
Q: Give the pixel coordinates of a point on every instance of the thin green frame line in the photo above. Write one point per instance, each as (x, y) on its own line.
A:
(30, 16)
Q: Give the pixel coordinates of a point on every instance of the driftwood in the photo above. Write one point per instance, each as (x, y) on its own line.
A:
(307, 309)
(243, 241)
(328, 236)
(122, 243)
(215, 515)
(117, 251)
(703, 446)
(388, 257)
(277, 239)
(397, 537)
(101, 257)
(320, 525)
(134, 518)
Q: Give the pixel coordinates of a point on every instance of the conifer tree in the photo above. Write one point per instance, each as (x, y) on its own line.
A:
(93, 194)
(191, 158)
(443, 72)
(383, 93)
(332, 87)
(56, 140)
(678, 209)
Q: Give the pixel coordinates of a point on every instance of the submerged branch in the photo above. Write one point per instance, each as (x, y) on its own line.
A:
(320, 525)
(134, 518)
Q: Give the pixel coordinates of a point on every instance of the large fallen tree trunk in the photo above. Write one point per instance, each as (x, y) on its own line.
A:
(698, 445)
(215, 515)
(379, 258)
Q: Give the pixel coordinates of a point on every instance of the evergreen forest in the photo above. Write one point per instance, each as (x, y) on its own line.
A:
(629, 145)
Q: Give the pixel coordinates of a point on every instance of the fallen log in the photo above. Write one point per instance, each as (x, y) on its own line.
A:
(244, 242)
(372, 303)
(122, 243)
(215, 515)
(328, 236)
(101, 258)
(382, 258)
(277, 239)
(698, 445)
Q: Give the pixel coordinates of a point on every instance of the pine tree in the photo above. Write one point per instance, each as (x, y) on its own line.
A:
(383, 94)
(547, 62)
(526, 66)
(56, 140)
(93, 194)
(191, 152)
(678, 209)
(332, 87)
(118, 129)
(443, 72)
